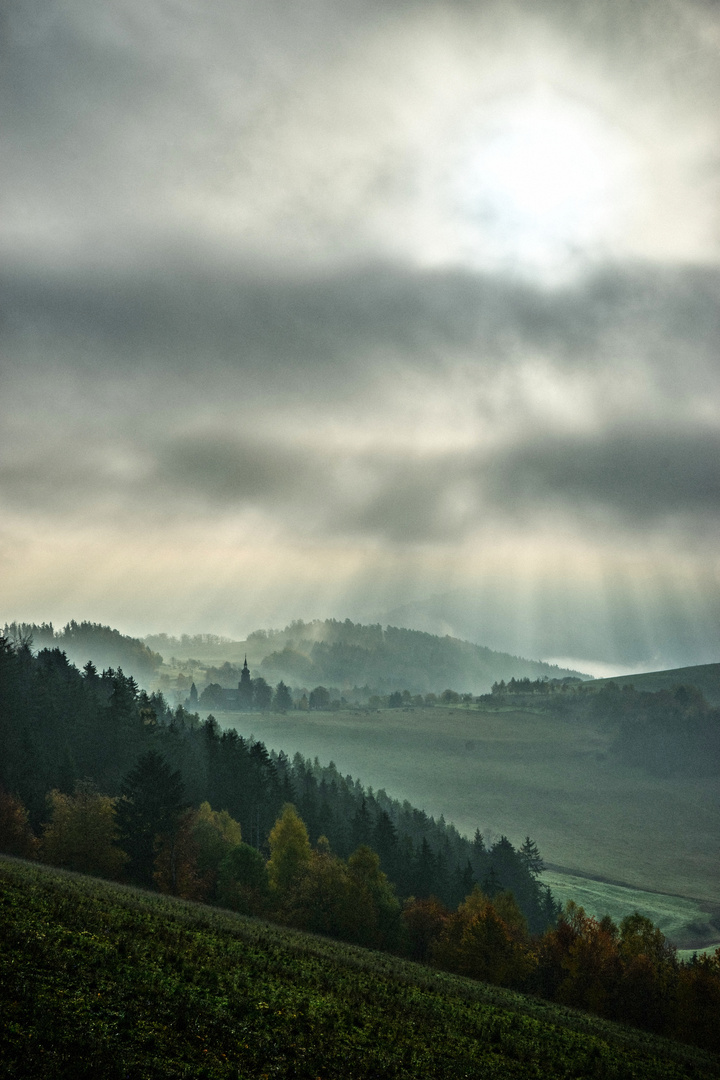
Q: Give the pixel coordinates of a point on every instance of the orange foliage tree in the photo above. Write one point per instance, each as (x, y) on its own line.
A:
(16, 836)
(423, 922)
(486, 939)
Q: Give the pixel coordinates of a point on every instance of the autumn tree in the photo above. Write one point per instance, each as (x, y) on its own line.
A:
(175, 867)
(486, 939)
(579, 961)
(322, 898)
(214, 833)
(423, 922)
(83, 833)
(697, 1002)
(649, 973)
(16, 836)
(377, 910)
(290, 850)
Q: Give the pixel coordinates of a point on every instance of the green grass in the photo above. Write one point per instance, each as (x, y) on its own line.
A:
(100, 980)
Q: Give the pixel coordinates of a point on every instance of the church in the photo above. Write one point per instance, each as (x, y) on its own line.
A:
(242, 698)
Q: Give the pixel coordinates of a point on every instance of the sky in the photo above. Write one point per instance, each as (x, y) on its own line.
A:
(363, 309)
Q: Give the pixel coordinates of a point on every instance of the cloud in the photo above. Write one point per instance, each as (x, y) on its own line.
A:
(193, 309)
(382, 401)
(641, 476)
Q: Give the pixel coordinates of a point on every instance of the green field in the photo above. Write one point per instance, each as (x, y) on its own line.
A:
(686, 922)
(101, 980)
(705, 677)
(520, 772)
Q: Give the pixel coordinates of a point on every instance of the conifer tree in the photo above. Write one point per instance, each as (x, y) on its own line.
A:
(152, 805)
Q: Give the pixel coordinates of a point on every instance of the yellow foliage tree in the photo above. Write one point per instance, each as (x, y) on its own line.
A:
(215, 834)
(82, 833)
(376, 908)
(290, 850)
(321, 897)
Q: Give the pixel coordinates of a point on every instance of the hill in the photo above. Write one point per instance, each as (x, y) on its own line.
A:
(347, 655)
(571, 622)
(104, 980)
(704, 677)
(86, 641)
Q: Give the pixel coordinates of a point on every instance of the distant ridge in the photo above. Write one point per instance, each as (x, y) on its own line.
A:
(568, 623)
(705, 677)
(344, 654)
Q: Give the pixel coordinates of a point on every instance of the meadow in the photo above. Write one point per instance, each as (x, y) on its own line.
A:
(520, 772)
(104, 980)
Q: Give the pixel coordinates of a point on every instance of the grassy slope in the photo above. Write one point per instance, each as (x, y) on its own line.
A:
(706, 677)
(101, 980)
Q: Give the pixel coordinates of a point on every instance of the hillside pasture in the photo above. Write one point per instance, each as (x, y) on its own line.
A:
(704, 677)
(521, 772)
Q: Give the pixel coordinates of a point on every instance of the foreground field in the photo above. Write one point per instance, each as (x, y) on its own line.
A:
(103, 980)
(518, 772)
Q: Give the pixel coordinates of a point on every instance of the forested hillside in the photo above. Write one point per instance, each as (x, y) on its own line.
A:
(703, 677)
(59, 727)
(667, 731)
(347, 655)
(85, 641)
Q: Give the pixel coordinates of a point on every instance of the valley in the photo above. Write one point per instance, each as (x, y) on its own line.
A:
(520, 772)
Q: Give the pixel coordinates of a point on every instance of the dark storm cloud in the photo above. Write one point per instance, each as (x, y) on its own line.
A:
(641, 476)
(628, 477)
(195, 325)
(196, 311)
(241, 291)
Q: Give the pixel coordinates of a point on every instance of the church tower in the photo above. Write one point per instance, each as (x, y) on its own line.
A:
(245, 692)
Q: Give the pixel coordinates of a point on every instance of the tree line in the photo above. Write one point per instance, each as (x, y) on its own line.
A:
(79, 640)
(664, 732)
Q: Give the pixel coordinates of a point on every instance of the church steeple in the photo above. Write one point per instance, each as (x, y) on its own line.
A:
(245, 686)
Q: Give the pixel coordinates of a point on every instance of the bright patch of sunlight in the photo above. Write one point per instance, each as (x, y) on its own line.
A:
(543, 179)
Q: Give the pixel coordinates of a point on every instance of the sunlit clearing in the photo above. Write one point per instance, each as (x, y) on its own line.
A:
(544, 180)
